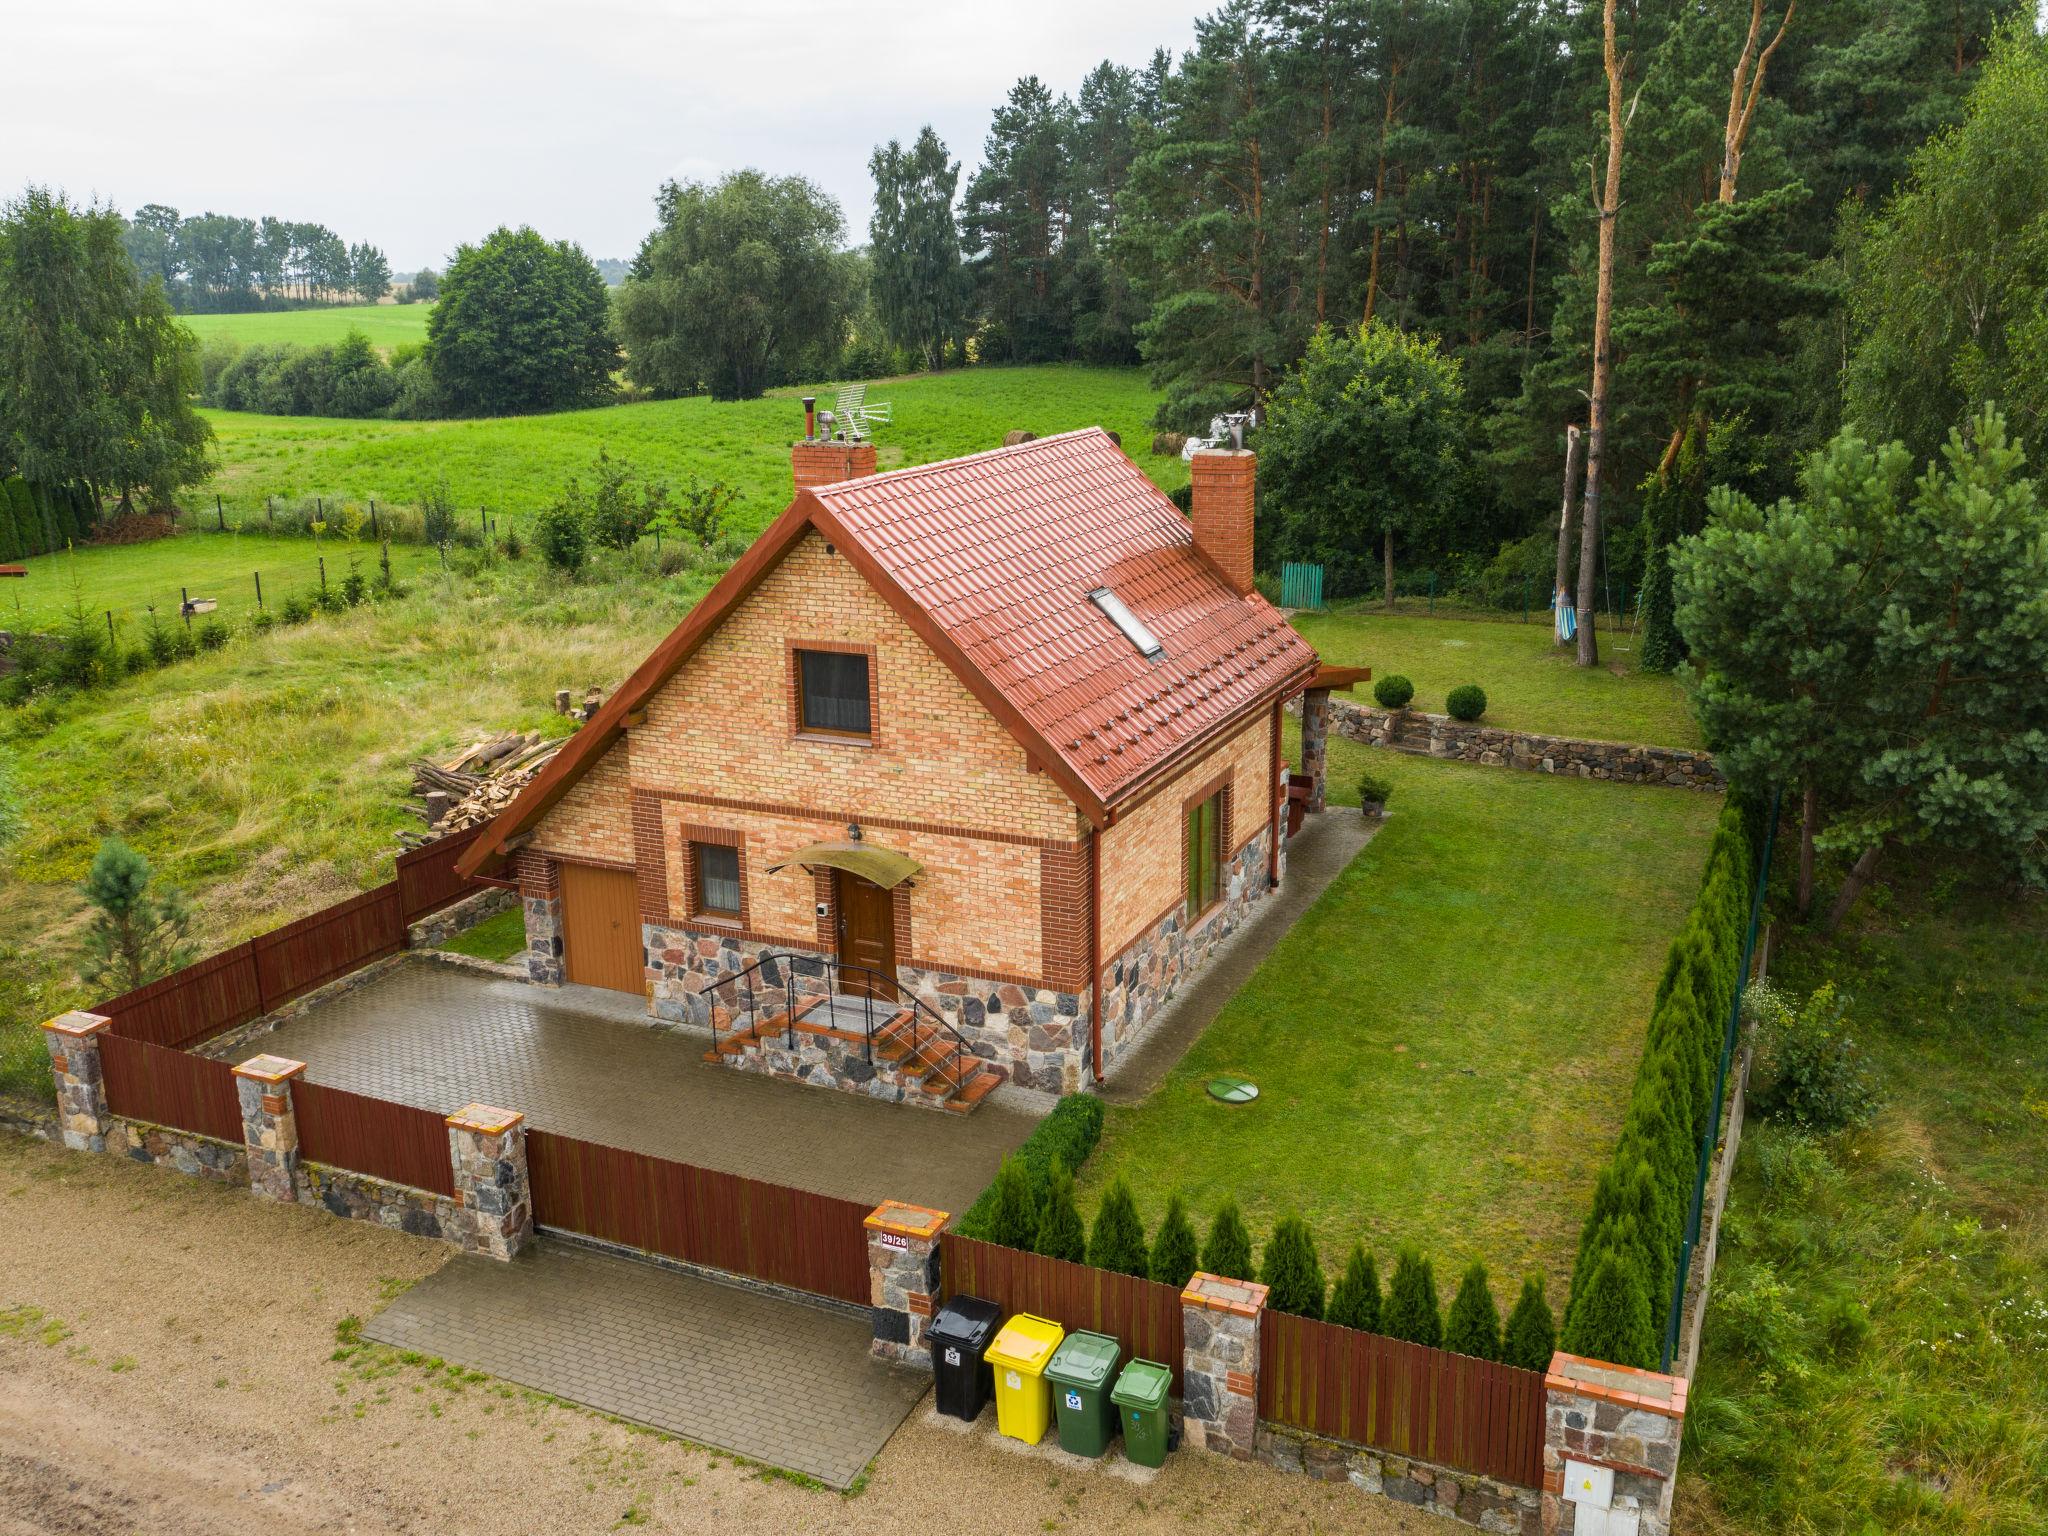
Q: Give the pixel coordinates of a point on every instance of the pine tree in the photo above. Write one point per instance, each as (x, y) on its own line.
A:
(1174, 1253)
(1013, 1214)
(1473, 1328)
(1610, 1320)
(1356, 1301)
(1411, 1311)
(1292, 1273)
(137, 934)
(920, 288)
(1118, 1243)
(1531, 1337)
(1229, 1250)
(1060, 1233)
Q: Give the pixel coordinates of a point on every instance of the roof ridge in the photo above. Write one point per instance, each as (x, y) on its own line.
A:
(910, 470)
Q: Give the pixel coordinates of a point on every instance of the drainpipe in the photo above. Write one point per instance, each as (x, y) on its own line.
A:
(1274, 812)
(1095, 950)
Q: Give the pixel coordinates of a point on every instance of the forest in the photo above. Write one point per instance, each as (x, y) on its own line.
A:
(220, 263)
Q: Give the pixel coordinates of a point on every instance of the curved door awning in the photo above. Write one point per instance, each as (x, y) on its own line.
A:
(882, 866)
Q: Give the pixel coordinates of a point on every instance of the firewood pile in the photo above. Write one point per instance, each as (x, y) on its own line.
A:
(480, 781)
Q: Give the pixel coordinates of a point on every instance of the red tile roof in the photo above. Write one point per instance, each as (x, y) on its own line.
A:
(1001, 550)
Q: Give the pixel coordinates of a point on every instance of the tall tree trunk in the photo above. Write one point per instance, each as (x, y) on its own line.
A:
(1387, 547)
(1379, 192)
(1529, 306)
(1809, 823)
(1745, 90)
(1859, 876)
(1323, 239)
(1603, 347)
(1574, 440)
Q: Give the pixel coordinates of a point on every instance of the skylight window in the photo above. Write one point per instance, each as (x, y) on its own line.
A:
(1133, 628)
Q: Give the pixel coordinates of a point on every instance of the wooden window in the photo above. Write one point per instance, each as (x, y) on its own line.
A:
(718, 879)
(834, 693)
(1204, 854)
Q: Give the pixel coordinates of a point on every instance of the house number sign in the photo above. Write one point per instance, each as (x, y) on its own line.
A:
(895, 1240)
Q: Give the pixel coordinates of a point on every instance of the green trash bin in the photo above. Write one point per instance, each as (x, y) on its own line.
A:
(1140, 1398)
(1082, 1371)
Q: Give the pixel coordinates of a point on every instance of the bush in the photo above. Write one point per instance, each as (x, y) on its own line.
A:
(1118, 1242)
(261, 621)
(1610, 1318)
(1174, 1253)
(559, 531)
(295, 609)
(1531, 1336)
(1374, 792)
(163, 650)
(1393, 692)
(355, 588)
(437, 513)
(1012, 1219)
(1412, 1311)
(1473, 1328)
(1183, 496)
(213, 635)
(515, 547)
(184, 645)
(1229, 1250)
(1292, 1273)
(1467, 701)
(1060, 1233)
(1809, 1071)
(1066, 1137)
(1356, 1301)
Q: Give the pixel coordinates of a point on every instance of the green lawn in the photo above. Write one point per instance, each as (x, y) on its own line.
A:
(495, 938)
(386, 325)
(1444, 1042)
(1531, 684)
(1931, 1224)
(517, 464)
(127, 578)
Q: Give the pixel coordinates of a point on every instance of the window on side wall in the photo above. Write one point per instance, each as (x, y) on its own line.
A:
(833, 694)
(717, 867)
(1205, 854)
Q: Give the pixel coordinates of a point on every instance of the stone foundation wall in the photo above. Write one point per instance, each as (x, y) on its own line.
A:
(1478, 742)
(1039, 1034)
(358, 1197)
(1483, 1502)
(188, 1152)
(822, 1059)
(437, 928)
(544, 962)
(1138, 983)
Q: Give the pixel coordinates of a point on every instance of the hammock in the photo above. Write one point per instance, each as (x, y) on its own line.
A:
(1567, 617)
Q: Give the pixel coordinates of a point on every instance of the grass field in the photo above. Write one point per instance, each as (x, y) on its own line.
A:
(1876, 1353)
(1531, 684)
(1444, 1043)
(126, 579)
(518, 464)
(386, 325)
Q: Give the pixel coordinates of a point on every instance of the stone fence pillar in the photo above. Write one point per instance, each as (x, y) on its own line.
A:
(1610, 1442)
(487, 1148)
(903, 1279)
(270, 1129)
(1220, 1364)
(1315, 747)
(73, 1040)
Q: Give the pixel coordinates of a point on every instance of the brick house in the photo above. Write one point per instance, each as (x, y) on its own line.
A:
(996, 741)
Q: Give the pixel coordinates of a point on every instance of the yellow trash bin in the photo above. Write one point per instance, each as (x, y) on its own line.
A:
(1020, 1354)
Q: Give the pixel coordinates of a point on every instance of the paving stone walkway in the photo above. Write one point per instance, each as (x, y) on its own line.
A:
(774, 1380)
(586, 1063)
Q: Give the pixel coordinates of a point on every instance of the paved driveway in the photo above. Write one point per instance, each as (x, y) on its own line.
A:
(586, 1063)
(773, 1380)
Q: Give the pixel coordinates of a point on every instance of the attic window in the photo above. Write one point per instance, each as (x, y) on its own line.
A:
(1133, 628)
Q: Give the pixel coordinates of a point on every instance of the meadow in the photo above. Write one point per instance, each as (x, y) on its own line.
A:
(387, 326)
(516, 465)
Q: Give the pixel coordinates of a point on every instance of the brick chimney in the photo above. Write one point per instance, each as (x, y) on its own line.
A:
(822, 461)
(1223, 483)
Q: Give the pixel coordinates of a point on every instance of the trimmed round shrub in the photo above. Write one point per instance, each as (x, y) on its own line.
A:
(1467, 701)
(1292, 1273)
(1374, 792)
(1174, 1255)
(1393, 692)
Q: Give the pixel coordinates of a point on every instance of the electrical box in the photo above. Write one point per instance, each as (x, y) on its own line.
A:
(1588, 1485)
(1618, 1521)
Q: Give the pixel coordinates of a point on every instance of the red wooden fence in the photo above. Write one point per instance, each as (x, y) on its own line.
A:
(1143, 1315)
(1408, 1399)
(786, 1236)
(166, 1087)
(373, 1136)
(213, 995)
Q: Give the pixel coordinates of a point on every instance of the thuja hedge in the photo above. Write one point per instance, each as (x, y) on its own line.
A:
(1634, 1235)
(1065, 1136)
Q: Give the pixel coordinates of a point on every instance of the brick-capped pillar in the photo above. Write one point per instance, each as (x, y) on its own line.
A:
(1224, 485)
(1220, 1364)
(1315, 746)
(73, 1040)
(487, 1149)
(270, 1128)
(1614, 1417)
(823, 462)
(903, 1278)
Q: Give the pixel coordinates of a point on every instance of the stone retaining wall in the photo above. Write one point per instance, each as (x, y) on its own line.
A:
(359, 1197)
(1484, 1502)
(1478, 742)
(187, 1151)
(437, 928)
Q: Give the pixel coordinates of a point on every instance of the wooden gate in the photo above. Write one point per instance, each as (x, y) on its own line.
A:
(601, 928)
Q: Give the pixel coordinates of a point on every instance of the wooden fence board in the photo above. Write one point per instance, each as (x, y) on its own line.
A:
(426, 876)
(1143, 1315)
(398, 1142)
(790, 1237)
(1406, 1399)
(169, 1087)
(204, 998)
(327, 945)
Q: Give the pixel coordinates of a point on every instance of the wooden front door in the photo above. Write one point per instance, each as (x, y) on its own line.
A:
(867, 937)
(601, 928)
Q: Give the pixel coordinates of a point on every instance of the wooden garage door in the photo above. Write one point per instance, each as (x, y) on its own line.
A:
(601, 928)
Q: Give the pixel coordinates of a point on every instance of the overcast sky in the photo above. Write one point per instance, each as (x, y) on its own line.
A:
(419, 125)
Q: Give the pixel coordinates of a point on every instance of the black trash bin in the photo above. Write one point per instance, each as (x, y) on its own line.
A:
(959, 1336)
